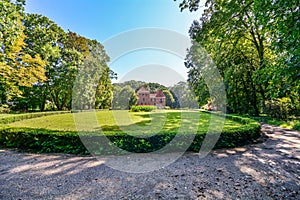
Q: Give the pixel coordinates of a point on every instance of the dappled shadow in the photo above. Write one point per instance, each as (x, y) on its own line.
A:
(156, 121)
(160, 121)
(151, 124)
(257, 171)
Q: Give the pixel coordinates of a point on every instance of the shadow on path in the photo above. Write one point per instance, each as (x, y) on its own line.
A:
(268, 170)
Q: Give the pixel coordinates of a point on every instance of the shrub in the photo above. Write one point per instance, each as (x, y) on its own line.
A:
(296, 126)
(4, 108)
(279, 108)
(40, 140)
(143, 108)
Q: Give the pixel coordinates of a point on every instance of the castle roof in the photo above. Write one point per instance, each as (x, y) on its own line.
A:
(159, 93)
(143, 89)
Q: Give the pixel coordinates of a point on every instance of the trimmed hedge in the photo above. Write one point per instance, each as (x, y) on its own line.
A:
(19, 117)
(41, 140)
(143, 108)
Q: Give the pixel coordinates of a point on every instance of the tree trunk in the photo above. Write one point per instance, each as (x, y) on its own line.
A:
(43, 103)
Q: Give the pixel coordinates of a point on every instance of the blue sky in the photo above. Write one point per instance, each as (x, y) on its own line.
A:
(102, 20)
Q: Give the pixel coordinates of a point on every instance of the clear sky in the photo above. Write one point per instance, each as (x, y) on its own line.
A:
(102, 20)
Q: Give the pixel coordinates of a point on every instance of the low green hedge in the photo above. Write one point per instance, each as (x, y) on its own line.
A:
(41, 140)
(142, 108)
(297, 127)
(19, 117)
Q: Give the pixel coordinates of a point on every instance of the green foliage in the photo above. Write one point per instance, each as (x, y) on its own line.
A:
(39, 140)
(124, 98)
(255, 47)
(104, 93)
(135, 85)
(183, 95)
(279, 108)
(143, 108)
(4, 108)
(39, 62)
(92, 87)
(169, 98)
(17, 68)
(297, 126)
(282, 18)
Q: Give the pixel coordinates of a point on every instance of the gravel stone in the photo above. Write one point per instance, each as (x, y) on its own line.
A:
(268, 170)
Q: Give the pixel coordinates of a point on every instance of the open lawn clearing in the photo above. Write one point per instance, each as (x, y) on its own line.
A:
(128, 121)
(130, 131)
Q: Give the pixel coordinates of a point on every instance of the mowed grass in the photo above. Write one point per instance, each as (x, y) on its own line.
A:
(9, 115)
(129, 122)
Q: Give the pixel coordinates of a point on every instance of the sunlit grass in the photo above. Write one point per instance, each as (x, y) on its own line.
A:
(129, 122)
(291, 123)
(9, 115)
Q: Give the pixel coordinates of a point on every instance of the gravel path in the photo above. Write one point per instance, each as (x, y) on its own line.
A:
(268, 170)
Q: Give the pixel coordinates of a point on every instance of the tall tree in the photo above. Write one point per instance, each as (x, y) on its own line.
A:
(93, 87)
(104, 93)
(184, 96)
(124, 98)
(18, 68)
(45, 38)
(240, 36)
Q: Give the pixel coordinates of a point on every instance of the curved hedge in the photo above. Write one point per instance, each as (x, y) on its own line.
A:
(41, 140)
(19, 117)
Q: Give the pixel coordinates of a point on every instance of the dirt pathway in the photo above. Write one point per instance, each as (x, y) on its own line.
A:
(269, 170)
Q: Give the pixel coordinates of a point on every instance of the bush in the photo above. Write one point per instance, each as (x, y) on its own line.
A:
(143, 108)
(279, 108)
(297, 127)
(4, 108)
(19, 117)
(41, 140)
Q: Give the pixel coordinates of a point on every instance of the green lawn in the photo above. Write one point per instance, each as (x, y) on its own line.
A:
(293, 123)
(129, 122)
(57, 132)
(14, 117)
(9, 115)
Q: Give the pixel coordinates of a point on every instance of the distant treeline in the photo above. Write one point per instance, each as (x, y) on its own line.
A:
(177, 96)
(39, 62)
(255, 47)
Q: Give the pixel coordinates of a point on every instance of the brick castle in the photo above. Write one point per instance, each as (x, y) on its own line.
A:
(154, 99)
